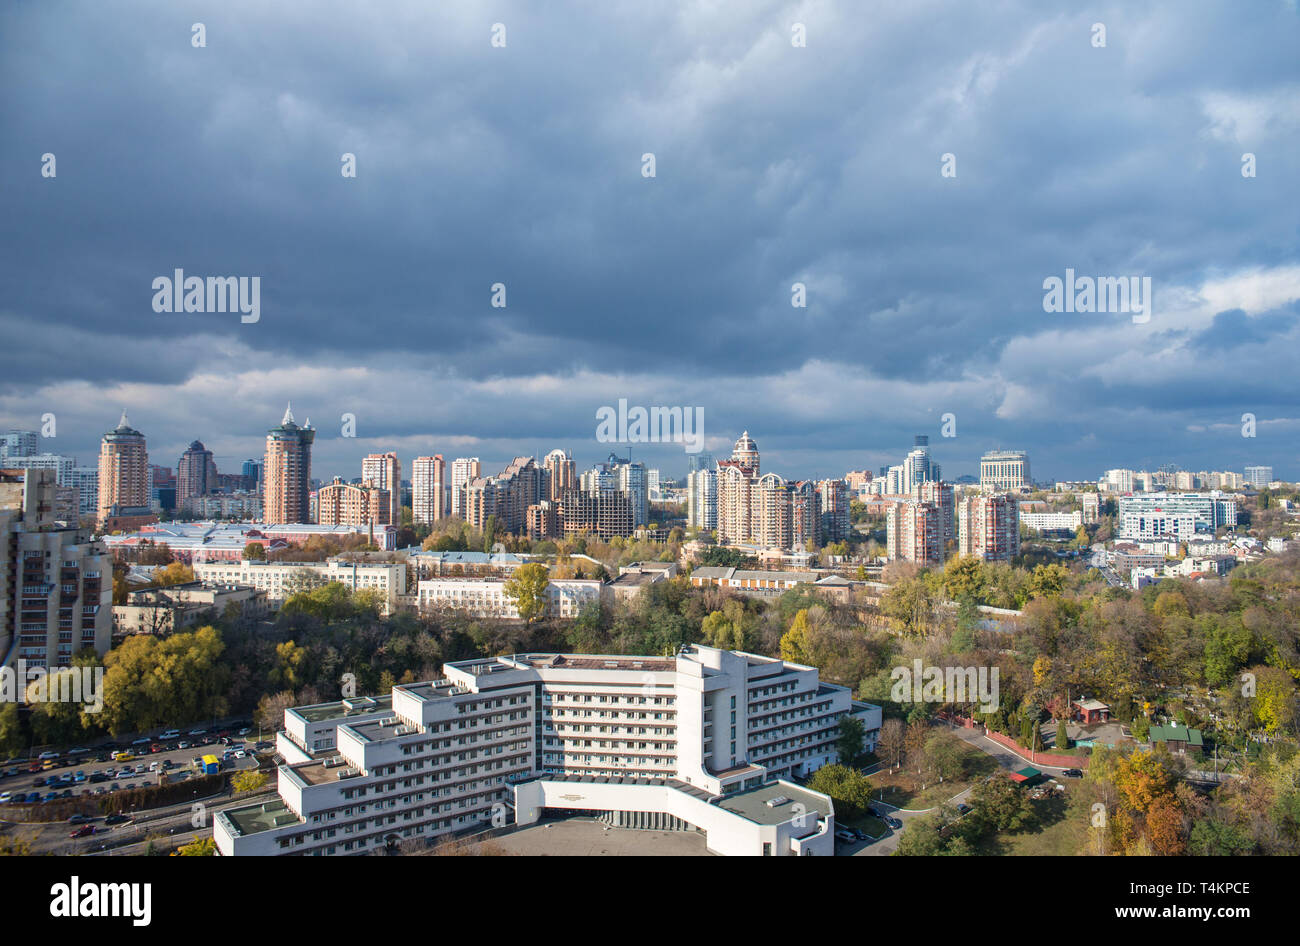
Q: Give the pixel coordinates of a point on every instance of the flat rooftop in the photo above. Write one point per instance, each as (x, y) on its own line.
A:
(262, 816)
(343, 709)
(597, 662)
(753, 804)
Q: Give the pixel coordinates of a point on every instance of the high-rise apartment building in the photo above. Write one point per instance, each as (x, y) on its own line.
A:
(18, 443)
(833, 497)
(807, 519)
(123, 474)
(1005, 470)
(702, 499)
(56, 581)
(914, 533)
(753, 508)
(463, 471)
(384, 471)
(988, 527)
(252, 474)
(940, 495)
(428, 489)
(196, 473)
(286, 472)
(349, 504)
(563, 473)
(506, 496)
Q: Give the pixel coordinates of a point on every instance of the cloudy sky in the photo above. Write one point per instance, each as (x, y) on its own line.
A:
(775, 164)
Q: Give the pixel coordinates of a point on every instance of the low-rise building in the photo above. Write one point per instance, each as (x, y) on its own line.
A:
(279, 580)
(179, 607)
(487, 598)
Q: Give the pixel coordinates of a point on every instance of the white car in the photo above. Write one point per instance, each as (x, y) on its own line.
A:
(5, 796)
(171, 734)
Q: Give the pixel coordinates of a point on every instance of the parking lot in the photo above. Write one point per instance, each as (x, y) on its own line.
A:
(120, 766)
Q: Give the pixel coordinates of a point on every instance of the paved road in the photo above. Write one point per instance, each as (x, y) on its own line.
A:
(1006, 759)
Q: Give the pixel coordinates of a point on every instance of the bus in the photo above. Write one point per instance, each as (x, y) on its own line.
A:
(209, 765)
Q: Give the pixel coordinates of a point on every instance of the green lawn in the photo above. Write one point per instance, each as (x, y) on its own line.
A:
(903, 790)
(1062, 830)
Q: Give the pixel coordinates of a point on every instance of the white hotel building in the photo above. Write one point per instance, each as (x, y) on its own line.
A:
(703, 741)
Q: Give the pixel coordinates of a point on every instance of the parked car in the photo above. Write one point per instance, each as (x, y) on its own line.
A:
(171, 734)
(963, 809)
(47, 755)
(895, 823)
(184, 745)
(845, 835)
(116, 819)
(77, 751)
(84, 831)
(78, 819)
(245, 731)
(6, 797)
(198, 732)
(142, 742)
(1073, 773)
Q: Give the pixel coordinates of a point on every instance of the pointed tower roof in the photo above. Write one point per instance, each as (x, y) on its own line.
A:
(288, 413)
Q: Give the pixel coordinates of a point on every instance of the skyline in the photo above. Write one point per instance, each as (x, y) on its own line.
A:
(951, 460)
(775, 165)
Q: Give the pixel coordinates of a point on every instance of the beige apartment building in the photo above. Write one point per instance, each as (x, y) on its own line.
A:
(346, 504)
(123, 473)
(286, 472)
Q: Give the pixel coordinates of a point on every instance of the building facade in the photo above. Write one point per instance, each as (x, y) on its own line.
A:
(384, 471)
(988, 527)
(700, 741)
(1005, 471)
(123, 473)
(428, 489)
(56, 580)
(286, 471)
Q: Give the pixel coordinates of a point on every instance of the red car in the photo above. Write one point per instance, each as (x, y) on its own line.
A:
(157, 747)
(84, 831)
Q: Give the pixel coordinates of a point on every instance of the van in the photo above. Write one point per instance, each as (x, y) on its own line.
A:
(122, 757)
(171, 734)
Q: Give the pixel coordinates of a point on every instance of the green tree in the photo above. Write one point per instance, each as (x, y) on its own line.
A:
(527, 589)
(255, 551)
(848, 788)
(849, 741)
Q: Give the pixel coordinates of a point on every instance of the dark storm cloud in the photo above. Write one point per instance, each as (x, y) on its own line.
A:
(775, 165)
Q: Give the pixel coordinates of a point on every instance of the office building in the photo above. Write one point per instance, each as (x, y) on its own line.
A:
(286, 471)
(1005, 471)
(1257, 476)
(1174, 515)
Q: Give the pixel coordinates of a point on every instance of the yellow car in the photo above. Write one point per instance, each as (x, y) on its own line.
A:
(123, 757)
